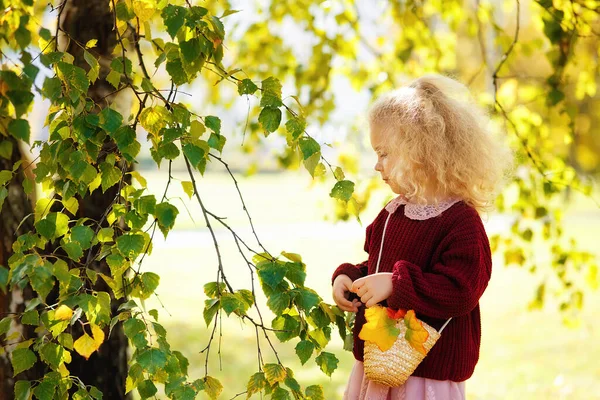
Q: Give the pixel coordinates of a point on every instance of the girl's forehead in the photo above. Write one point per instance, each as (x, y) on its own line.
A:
(379, 136)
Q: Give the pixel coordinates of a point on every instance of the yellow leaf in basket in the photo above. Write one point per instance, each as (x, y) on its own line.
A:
(380, 328)
(416, 335)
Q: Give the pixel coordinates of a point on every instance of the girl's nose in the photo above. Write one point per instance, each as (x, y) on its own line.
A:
(378, 166)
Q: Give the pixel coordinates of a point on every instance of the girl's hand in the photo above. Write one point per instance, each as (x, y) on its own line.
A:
(373, 288)
(341, 293)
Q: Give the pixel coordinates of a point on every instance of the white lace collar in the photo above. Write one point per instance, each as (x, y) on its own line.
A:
(420, 212)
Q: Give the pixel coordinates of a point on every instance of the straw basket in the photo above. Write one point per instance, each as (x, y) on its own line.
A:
(393, 366)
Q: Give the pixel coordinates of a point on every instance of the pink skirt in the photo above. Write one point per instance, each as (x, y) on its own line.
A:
(415, 388)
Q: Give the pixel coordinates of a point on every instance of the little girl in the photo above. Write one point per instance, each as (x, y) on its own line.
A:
(434, 150)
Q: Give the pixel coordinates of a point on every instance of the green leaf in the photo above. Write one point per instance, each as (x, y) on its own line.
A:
(19, 128)
(114, 78)
(304, 350)
(5, 325)
(51, 354)
(152, 360)
(133, 326)
(22, 35)
(174, 18)
(95, 393)
(278, 302)
(212, 387)
(75, 78)
(270, 118)
(308, 146)
(168, 150)
(315, 392)
(145, 204)
(130, 245)
(217, 141)
(117, 65)
(342, 190)
(22, 360)
(213, 123)
(230, 303)
(31, 317)
(274, 373)
(124, 137)
(286, 326)
(110, 120)
(166, 214)
(271, 93)
(3, 278)
(210, 309)
(295, 273)
(190, 49)
(327, 362)
(111, 175)
(52, 88)
(53, 226)
(105, 235)
(22, 390)
(271, 274)
(213, 290)
(3, 195)
(306, 298)
(246, 296)
(193, 153)
(256, 384)
(82, 234)
(6, 149)
(5, 176)
(246, 86)
(280, 394)
(176, 71)
(94, 65)
(147, 389)
(150, 282)
(295, 126)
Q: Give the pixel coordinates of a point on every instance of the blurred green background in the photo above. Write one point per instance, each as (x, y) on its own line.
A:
(524, 354)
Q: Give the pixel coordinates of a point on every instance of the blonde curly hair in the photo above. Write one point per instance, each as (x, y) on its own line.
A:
(441, 140)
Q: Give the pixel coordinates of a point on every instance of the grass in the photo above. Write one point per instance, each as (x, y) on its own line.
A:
(524, 355)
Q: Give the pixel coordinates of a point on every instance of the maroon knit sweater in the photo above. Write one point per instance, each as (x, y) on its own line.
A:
(441, 266)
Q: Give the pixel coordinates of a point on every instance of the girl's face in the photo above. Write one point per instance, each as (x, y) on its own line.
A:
(385, 161)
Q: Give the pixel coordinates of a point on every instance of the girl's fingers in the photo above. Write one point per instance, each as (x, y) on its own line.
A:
(340, 300)
(365, 299)
(357, 284)
(360, 292)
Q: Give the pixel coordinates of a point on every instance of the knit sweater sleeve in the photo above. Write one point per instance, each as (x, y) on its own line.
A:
(454, 284)
(355, 271)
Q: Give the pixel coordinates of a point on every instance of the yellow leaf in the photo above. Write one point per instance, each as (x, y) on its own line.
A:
(153, 119)
(380, 328)
(63, 313)
(416, 335)
(188, 188)
(72, 205)
(98, 335)
(85, 346)
(139, 178)
(143, 10)
(197, 129)
(91, 43)
(292, 256)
